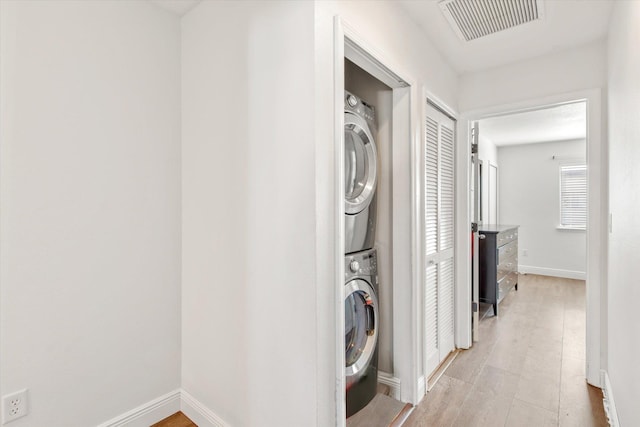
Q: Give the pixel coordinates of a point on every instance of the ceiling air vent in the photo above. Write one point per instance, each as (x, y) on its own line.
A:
(472, 19)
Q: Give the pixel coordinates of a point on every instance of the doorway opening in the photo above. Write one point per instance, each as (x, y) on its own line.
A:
(358, 69)
(586, 170)
(535, 177)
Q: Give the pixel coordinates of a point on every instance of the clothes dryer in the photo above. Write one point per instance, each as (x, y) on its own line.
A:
(361, 329)
(360, 174)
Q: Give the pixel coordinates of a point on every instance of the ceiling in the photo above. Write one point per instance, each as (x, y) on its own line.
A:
(179, 7)
(565, 24)
(557, 123)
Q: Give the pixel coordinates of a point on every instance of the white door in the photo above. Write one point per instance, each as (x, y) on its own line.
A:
(439, 238)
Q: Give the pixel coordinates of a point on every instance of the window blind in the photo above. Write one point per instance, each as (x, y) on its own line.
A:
(573, 196)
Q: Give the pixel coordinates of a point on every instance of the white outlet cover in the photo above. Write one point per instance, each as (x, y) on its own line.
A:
(14, 406)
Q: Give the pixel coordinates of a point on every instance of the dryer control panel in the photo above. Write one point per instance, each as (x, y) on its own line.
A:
(357, 105)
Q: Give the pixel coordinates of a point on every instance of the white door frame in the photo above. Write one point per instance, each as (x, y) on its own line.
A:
(597, 216)
(492, 201)
(406, 136)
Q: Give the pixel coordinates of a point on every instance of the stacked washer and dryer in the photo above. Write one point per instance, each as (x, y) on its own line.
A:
(361, 273)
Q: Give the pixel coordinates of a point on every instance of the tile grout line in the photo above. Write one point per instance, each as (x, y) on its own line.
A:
(483, 365)
(564, 321)
(506, 420)
(537, 313)
(472, 384)
(513, 398)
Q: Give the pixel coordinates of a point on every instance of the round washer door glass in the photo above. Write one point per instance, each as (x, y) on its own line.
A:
(359, 164)
(360, 329)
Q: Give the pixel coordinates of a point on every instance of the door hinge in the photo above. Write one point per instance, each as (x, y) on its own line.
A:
(474, 307)
(474, 227)
(474, 148)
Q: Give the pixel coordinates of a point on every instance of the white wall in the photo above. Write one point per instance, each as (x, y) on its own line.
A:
(90, 185)
(567, 71)
(487, 150)
(386, 27)
(488, 153)
(249, 227)
(91, 203)
(529, 197)
(624, 240)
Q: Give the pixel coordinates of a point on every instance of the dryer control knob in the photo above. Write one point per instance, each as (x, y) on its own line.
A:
(354, 266)
(352, 100)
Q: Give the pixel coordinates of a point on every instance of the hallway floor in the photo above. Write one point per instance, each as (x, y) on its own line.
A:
(526, 370)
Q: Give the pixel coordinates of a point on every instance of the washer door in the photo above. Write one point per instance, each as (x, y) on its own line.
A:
(360, 164)
(360, 327)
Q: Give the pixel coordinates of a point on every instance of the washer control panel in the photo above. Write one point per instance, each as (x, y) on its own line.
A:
(363, 263)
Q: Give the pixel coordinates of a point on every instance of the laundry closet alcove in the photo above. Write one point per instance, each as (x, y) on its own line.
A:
(369, 77)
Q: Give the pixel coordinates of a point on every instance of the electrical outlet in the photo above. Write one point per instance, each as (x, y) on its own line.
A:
(525, 252)
(14, 406)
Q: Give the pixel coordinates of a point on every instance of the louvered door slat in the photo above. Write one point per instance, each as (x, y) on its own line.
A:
(431, 312)
(446, 217)
(446, 300)
(431, 187)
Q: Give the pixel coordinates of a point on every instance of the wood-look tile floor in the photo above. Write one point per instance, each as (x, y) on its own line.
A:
(527, 369)
(382, 411)
(176, 420)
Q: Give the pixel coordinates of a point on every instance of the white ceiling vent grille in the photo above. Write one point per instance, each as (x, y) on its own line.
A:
(472, 19)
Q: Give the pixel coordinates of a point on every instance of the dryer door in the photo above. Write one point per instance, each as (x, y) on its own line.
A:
(360, 327)
(360, 164)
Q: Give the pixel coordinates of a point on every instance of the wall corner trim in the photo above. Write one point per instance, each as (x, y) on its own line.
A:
(609, 404)
(199, 413)
(148, 413)
(164, 406)
(390, 381)
(422, 388)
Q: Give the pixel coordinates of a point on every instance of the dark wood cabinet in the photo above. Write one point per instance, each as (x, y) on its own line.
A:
(498, 259)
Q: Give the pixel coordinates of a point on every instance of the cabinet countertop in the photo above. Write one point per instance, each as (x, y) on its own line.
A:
(495, 228)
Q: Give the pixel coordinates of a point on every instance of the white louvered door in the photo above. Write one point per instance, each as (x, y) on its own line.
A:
(439, 238)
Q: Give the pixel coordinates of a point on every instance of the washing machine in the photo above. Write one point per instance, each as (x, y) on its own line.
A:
(361, 329)
(360, 174)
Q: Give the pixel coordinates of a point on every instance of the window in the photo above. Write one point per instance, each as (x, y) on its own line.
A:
(573, 197)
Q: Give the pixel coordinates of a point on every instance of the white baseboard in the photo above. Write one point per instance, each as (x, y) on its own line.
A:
(390, 381)
(199, 413)
(609, 404)
(164, 406)
(148, 413)
(555, 272)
